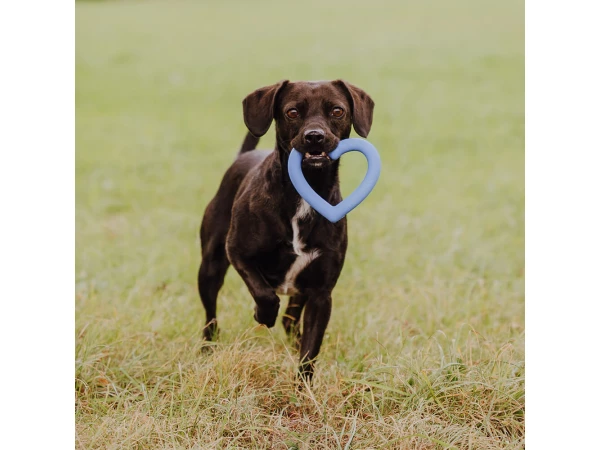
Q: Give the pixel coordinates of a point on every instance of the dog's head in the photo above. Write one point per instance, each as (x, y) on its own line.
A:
(311, 117)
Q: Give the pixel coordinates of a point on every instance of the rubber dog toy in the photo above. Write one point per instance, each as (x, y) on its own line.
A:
(337, 212)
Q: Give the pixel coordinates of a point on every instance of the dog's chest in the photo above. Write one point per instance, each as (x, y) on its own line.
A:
(303, 257)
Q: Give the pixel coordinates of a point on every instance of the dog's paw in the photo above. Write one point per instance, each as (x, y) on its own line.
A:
(211, 330)
(267, 314)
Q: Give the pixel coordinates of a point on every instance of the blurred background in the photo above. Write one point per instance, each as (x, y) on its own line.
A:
(438, 247)
(159, 90)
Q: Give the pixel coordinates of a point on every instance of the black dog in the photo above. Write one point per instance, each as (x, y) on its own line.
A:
(258, 222)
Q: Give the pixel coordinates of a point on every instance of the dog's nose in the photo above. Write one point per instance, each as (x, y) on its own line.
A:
(314, 137)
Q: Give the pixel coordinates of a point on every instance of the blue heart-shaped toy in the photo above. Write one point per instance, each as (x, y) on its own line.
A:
(337, 212)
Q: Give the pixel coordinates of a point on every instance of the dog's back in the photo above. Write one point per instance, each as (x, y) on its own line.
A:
(218, 211)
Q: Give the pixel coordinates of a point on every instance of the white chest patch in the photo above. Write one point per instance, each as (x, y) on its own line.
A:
(303, 258)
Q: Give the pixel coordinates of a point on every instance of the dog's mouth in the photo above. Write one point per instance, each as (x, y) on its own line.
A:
(316, 159)
(316, 156)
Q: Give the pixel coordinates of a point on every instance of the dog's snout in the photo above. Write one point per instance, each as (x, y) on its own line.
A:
(312, 137)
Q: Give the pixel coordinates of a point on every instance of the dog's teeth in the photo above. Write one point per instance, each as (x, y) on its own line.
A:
(307, 155)
(323, 154)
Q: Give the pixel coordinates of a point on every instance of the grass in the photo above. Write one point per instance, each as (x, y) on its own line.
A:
(425, 348)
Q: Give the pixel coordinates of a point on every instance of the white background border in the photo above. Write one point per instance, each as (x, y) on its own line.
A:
(562, 224)
(37, 234)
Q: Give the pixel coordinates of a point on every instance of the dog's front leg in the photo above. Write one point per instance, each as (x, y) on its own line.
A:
(316, 317)
(267, 302)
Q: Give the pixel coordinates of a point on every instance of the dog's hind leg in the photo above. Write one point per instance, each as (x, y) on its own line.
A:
(291, 318)
(210, 280)
(214, 264)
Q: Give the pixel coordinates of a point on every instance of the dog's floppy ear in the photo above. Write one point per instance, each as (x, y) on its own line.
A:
(258, 108)
(362, 107)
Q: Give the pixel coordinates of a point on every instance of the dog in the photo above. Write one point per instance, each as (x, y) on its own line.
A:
(258, 223)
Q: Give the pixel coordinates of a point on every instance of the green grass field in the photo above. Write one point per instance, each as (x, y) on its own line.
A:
(425, 348)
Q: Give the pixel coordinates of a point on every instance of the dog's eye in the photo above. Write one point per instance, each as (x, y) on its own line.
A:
(292, 113)
(337, 112)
